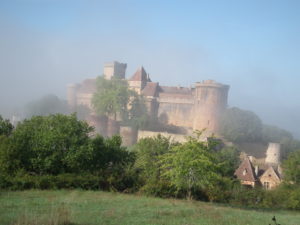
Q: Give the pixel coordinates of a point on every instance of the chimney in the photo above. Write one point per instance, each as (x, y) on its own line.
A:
(256, 170)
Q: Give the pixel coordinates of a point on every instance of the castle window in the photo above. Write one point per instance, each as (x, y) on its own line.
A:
(244, 172)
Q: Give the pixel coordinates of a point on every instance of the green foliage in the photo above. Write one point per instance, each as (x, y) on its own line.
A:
(138, 116)
(148, 152)
(228, 160)
(291, 168)
(239, 125)
(112, 97)
(5, 127)
(190, 166)
(49, 145)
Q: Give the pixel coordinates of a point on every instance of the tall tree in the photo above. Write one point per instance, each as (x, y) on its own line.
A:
(5, 127)
(190, 166)
(50, 144)
(148, 151)
(112, 97)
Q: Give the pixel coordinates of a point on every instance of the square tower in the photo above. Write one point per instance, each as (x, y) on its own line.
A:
(114, 69)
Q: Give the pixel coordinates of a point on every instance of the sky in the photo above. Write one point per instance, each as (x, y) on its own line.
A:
(254, 46)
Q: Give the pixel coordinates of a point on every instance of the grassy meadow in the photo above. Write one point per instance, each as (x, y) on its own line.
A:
(76, 207)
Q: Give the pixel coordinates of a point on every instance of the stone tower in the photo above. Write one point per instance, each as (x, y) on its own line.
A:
(114, 69)
(273, 154)
(210, 103)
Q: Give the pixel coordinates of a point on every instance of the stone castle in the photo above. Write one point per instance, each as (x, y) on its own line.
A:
(192, 108)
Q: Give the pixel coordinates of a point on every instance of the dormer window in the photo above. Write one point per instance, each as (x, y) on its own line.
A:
(245, 172)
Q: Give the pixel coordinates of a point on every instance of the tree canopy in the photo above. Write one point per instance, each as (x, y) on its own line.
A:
(190, 165)
(291, 167)
(5, 127)
(113, 98)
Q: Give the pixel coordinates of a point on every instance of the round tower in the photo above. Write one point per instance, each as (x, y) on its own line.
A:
(273, 154)
(210, 103)
(71, 95)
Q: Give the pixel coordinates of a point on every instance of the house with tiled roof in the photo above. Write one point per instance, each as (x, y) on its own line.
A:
(267, 173)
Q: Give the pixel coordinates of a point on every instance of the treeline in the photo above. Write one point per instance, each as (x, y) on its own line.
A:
(60, 151)
(240, 126)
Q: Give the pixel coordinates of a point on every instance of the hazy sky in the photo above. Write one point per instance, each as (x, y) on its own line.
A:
(254, 46)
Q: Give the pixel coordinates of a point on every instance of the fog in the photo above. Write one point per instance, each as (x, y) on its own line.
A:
(253, 46)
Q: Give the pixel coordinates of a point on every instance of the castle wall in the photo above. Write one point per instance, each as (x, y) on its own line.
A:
(174, 137)
(85, 99)
(137, 86)
(176, 109)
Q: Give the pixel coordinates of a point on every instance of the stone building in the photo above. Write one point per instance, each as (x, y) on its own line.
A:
(193, 108)
(264, 172)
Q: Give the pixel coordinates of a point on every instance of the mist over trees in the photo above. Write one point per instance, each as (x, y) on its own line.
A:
(51, 104)
(240, 126)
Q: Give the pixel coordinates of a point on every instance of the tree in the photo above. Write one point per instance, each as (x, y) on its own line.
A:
(138, 116)
(190, 166)
(51, 144)
(148, 152)
(111, 97)
(228, 160)
(241, 126)
(5, 127)
(291, 167)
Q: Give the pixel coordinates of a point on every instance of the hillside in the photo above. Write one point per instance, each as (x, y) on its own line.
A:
(88, 207)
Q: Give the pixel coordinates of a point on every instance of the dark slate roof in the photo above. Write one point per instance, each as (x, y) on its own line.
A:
(140, 75)
(150, 89)
(249, 175)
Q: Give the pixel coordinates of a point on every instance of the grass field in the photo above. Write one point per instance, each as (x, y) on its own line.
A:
(89, 208)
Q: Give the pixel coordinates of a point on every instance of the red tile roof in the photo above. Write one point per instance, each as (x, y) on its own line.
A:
(245, 171)
(150, 89)
(140, 75)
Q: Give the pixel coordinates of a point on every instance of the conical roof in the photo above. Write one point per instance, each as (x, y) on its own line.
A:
(140, 75)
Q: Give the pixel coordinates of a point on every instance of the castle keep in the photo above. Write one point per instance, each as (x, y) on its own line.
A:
(195, 108)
